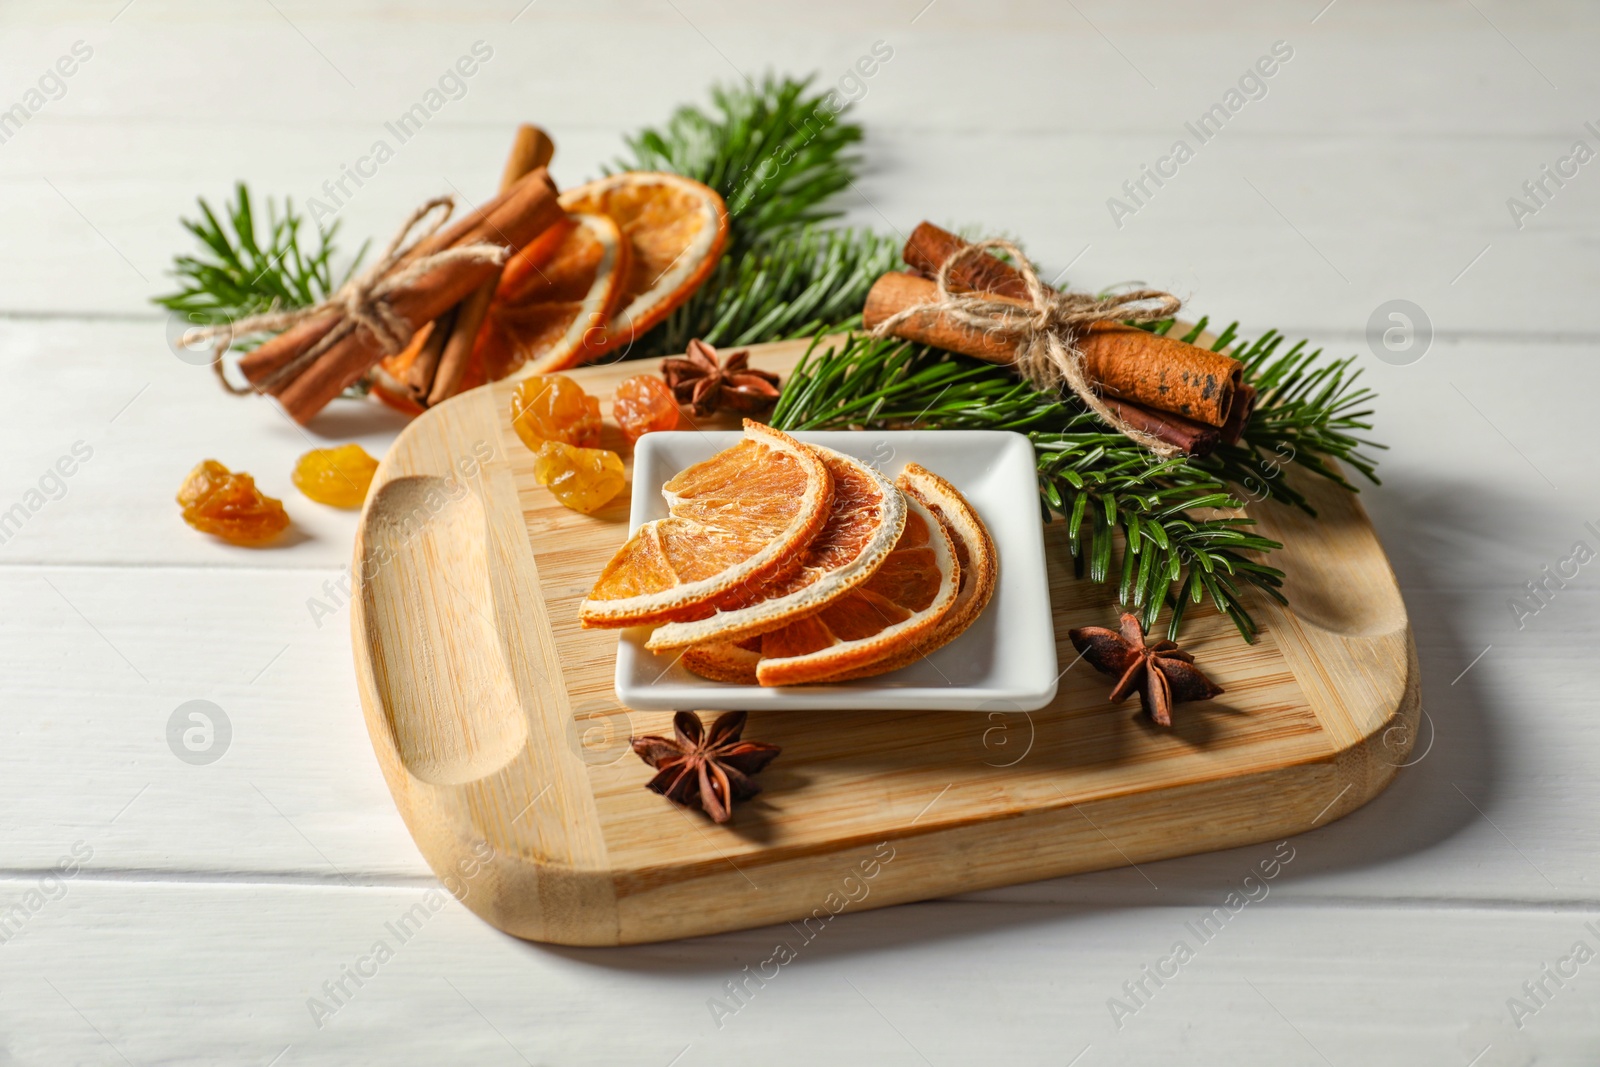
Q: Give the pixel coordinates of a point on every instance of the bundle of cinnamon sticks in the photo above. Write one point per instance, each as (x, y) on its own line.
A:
(444, 351)
(455, 292)
(1182, 395)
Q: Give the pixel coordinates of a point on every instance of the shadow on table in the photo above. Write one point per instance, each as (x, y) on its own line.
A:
(1438, 537)
(344, 421)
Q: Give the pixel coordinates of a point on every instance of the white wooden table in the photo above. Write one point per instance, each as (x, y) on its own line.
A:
(210, 903)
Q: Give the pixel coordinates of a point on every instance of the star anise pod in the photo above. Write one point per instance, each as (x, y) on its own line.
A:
(704, 770)
(1160, 672)
(702, 382)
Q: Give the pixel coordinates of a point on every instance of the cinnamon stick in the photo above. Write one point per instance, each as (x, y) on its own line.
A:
(534, 192)
(929, 247)
(896, 291)
(531, 150)
(1161, 372)
(420, 375)
(272, 355)
(1122, 361)
(1244, 405)
(527, 210)
(354, 354)
(1194, 438)
(476, 225)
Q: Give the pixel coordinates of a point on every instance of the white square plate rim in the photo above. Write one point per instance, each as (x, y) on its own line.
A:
(1023, 631)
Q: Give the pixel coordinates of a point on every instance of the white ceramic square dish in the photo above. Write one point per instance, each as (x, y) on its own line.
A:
(1006, 661)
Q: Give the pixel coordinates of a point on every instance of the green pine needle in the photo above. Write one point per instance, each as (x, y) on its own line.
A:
(774, 151)
(241, 271)
(777, 153)
(790, 285)
(1308, 413)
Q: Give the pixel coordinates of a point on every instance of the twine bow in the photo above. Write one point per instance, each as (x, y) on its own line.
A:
(1046, 329)
(364, 300)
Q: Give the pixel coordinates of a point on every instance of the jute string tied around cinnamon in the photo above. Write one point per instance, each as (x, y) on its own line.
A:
(1047, 328)
(363, 300)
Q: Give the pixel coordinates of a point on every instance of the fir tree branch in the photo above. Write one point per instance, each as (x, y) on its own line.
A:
(789, 285)
(241, 271)
(1101, 483)
(1308, 413)
(775, 152)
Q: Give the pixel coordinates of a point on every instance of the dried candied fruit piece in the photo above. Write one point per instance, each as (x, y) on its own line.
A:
(560, 423)
(644, 404)
(553, 407)
(218, 501)
(202, 482)
(338, 477)
(583, 479)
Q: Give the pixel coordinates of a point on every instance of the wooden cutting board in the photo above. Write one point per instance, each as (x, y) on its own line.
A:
(495, 724)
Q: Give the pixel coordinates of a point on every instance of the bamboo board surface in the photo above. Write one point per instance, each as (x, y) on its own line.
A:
(496, 727)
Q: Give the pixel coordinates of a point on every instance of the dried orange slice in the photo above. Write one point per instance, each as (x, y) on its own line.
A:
(389, 376)
(736, 662)
(975, 552)
(549, 312)
(894, 610)
(740, 518)
(863, 525)
(724, 661)
(676, 227)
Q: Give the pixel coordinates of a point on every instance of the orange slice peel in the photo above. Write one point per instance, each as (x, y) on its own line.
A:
(975, 553)
(864, 523)
(550, 309)
(739, 519)
(896, 609)
(725, 661)
(676, 229)
(388, 377)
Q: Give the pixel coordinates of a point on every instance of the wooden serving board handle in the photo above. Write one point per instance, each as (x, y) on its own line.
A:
(494, 721)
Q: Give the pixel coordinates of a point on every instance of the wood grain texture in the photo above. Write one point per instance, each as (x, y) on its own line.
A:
(254, 957)
(492, 714)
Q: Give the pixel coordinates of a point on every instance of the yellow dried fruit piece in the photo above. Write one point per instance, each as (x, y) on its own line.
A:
(584, 479)
(217, 501)
(553, 407)
(338, 477)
